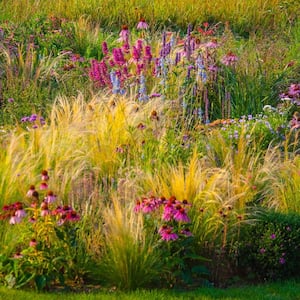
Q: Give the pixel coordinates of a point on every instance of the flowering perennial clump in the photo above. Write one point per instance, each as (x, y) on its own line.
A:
(292, 94)
(172, 212)
(39, 207)
(138, 64)
(35, 120)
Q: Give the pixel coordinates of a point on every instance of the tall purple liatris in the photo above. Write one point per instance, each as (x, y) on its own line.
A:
(148, 54)
(104, 48)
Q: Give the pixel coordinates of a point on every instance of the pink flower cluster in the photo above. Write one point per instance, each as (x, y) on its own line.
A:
(229, 59)
(293, 94)
(125, 61)
(123, 66)
(172, 211)
(15, 212)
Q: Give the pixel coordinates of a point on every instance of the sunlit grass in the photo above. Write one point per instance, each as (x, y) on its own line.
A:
(244, 15)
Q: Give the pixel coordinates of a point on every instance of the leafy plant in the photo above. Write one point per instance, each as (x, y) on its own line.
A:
(270, 247)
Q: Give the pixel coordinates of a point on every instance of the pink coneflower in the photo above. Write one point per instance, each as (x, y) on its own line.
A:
(44, 209)
(141, 126)
(124, 34)
(168, 235)
(14, 220)
(18, 205)
(169, 211)
(294, 90)
(45, 175)
(57, 211)
(211, 45)
(20, 213)
(34, 204)
(45, 212)
(18, 255)
(6, 207)
(181, 216)
(162, 229)
(50, 198)
(120, 149)
(33, 243)
(43, 186)
(62, 220)
(142, 25)
(212, 68)
(32, 220)
(148, 207)
(76, 57)
(30, 191)
(229, 59)
(66, 208)
(186, 232)
(138, 206)
(73, 216)
(186, 203)
(172, 199)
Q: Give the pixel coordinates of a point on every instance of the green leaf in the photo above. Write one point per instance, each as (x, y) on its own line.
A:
(25, 278)
(196, 257)
(59, 234)
(200, 270)
(40, 281)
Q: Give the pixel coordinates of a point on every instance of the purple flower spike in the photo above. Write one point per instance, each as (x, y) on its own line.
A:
(104, 48)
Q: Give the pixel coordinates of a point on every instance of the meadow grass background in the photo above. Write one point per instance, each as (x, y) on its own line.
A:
(244, 16)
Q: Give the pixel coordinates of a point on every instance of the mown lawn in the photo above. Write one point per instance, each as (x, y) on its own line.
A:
(277, 291)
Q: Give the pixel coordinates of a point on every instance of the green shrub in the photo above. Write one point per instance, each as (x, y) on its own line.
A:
(269, 249)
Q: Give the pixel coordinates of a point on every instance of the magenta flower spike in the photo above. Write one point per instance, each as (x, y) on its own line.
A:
(104, 48)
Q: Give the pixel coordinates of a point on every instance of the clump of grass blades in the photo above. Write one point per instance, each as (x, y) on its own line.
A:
(130, 259)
